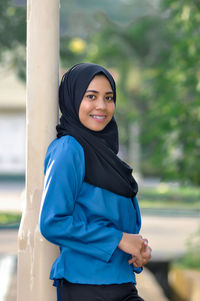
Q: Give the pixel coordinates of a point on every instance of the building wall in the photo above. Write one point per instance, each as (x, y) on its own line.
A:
(12, 140)
(12, 124)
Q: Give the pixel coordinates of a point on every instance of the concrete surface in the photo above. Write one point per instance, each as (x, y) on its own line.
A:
(148, 288)
(168, 235)
(8, 241)
(7, 276)
(12, 196)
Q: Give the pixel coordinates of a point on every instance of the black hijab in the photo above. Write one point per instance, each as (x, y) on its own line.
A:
(103, 168)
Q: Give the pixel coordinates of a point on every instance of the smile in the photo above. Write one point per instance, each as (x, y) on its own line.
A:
(99, 117)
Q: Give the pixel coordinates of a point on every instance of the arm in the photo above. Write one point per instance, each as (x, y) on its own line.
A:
(63, 180)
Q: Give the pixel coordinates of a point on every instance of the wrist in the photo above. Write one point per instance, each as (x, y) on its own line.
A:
(123, 242)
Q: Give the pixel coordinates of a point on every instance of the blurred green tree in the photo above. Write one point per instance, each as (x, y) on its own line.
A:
(174, 116)
(13, 36)
(79, 17)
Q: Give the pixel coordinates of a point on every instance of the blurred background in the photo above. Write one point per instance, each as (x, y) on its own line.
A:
(152, 48)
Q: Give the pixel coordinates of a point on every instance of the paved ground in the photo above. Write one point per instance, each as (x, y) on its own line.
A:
(8, 241)
(8, 276)
(167, 235)
(12, 196)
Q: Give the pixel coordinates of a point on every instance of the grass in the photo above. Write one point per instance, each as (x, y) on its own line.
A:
(166, 196)
(163, 196)
(9, 219)
(191, 258)
(189, 262)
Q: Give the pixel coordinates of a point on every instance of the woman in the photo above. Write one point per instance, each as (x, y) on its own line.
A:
(89, 207)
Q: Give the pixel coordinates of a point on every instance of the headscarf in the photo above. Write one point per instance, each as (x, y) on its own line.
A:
(103, 168)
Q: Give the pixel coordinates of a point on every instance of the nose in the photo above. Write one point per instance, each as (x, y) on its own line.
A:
(100, 104)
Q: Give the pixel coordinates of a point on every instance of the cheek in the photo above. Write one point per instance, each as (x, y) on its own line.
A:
(82, 108)
(112, 109)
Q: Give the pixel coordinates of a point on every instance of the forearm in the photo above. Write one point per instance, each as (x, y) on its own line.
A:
(91, 238)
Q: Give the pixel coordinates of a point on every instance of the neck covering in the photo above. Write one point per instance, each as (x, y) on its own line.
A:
(103, 168)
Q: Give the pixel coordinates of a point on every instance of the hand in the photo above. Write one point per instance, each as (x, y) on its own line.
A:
(133, 244)
(145, 253)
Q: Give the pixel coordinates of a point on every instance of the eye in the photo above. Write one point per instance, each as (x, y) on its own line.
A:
(91, 96)
(109, 98)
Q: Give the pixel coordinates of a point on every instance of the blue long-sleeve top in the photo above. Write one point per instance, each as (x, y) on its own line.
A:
(85, 221)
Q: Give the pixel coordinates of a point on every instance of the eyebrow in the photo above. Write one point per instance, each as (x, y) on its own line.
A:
(94, 91)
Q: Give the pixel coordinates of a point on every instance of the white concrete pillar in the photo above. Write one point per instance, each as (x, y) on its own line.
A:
(35, 254)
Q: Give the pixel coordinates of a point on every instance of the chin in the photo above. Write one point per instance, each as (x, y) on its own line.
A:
(97, 129)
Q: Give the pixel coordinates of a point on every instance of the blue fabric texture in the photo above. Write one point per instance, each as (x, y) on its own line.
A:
(85, 221)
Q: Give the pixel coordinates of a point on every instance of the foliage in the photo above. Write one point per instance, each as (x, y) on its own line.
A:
(80, 18)
(172, 192)
(168, 196)
(175, 86)
(9, 219)
(13, 36)
(191, 259)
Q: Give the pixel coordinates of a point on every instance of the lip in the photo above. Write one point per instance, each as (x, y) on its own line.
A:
(98, 117)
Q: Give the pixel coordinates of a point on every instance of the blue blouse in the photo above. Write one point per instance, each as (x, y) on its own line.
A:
(85, 221)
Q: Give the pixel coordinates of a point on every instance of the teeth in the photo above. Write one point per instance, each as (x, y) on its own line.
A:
(98, 117)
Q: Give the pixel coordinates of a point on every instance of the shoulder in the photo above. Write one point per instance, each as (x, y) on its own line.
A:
(64, 150)
(65, 145)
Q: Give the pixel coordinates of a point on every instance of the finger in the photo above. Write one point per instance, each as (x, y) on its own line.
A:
(141, 238)
(146, 255)
(136, 260)
(149, 252)
(137, 264)
(144, 262)
(146, 251)
(132, 260)
(145, 243)
(139, 261)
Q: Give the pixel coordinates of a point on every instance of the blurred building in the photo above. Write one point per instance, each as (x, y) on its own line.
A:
(12, 125)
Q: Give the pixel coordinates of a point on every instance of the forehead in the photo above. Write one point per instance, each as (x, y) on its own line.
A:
(100, 82)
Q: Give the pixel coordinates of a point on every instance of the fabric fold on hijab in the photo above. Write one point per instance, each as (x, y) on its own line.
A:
(103, 168)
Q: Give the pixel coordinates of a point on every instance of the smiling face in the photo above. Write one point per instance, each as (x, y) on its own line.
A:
(97, 106)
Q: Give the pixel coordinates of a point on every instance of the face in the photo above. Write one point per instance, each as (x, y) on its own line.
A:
(97, 106)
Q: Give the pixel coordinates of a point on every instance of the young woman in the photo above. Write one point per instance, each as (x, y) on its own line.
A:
(90, 208)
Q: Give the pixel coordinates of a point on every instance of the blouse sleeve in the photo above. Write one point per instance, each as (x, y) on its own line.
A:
(64, 175)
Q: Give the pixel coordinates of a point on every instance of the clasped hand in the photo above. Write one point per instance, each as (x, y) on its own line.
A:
(137, 246)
